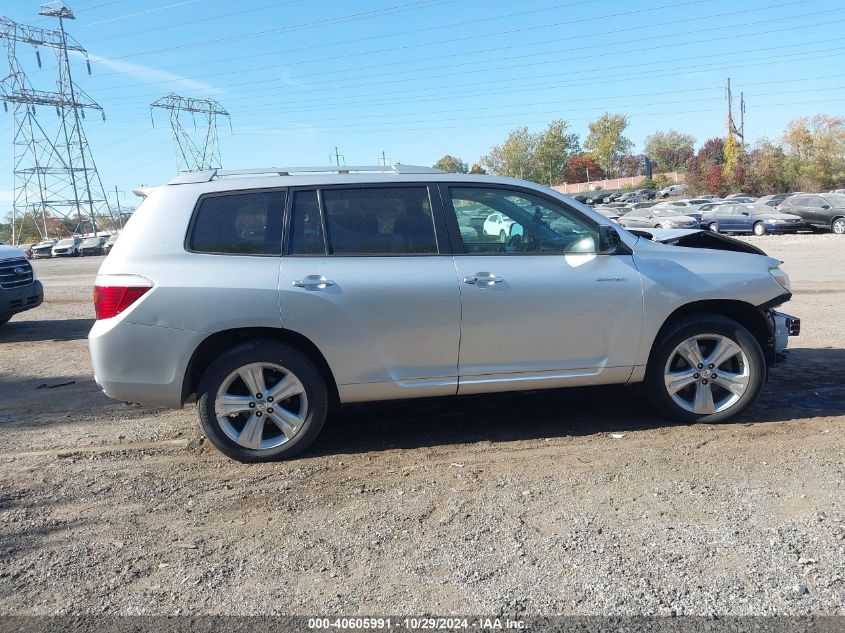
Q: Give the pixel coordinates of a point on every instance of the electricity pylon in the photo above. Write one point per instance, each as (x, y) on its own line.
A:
(54, 172)
(201, 149)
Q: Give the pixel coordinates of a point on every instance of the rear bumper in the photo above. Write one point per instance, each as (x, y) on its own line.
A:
(14, 300)
(141, 363)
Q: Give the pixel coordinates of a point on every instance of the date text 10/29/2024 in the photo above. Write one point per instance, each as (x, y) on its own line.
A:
(415, 624)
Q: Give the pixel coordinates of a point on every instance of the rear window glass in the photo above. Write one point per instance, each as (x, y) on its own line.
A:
(239, 224)
(383, 220)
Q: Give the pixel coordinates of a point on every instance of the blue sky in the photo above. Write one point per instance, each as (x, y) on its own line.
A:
(421, 78)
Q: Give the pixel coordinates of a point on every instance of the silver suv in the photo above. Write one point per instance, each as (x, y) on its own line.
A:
(275, 297)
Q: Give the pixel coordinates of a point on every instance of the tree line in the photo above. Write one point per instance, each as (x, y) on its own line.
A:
(809, 156)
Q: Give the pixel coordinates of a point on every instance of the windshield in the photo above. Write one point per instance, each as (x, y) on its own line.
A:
(91, 241)
(665, 212)
(67, 242)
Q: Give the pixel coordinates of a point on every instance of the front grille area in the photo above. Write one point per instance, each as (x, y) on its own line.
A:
(15, 273)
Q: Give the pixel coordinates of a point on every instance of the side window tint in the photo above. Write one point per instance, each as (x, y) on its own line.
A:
(306, 227)
(239, 224)
(379, 221)
(526, 223)
(816, 202)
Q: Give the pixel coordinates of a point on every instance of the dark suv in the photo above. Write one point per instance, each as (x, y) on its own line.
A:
(820, 211)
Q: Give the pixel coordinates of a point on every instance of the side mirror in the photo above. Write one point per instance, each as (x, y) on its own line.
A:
(825, 206)
(745, 213)
(609, 240)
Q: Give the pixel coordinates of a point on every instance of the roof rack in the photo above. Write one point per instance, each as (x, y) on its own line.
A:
(208, 175)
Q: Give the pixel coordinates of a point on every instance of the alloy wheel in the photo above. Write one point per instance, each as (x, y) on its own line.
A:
(839, 226)
(707, 373)
(261, 406)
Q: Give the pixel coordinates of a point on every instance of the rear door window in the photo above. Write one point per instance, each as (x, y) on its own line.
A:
(244, 223)
(379, 221)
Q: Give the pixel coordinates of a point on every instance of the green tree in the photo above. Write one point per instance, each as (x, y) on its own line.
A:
(670, 150)
(553, 149)
(608, 142)
(541, 157)
(477, 169)
(452, 164)
(816, 152)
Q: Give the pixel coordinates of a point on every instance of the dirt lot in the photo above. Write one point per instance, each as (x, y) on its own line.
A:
(511, 504)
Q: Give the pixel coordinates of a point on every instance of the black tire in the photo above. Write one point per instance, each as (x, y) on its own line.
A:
(760, 229)
(701, 325)
(714, 227)
(658, 226)
(267, 351)
(837, 227)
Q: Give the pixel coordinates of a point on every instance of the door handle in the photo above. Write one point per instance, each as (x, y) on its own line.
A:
(483, 279)
(313, 282)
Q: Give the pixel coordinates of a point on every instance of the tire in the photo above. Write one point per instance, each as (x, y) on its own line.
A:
(658, 226)
(838, 226)
(713, 227)
(230, 433)
(760, 229)
(746, 369)
(503, 237)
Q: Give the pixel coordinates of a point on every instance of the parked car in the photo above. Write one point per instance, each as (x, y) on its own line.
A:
(43, 249)
(610, 213)
(631, 196)
(642, 205)
(68, 247)
(647, 194)
(734, 196)
(672, 190)
(773, 200)
(110, 243)
(582, 198)
(742, 199)
(821, 211)
(27, 250)
(705, 208)
(498, 225)
(348, 293)
(612, 197)
(682, 207)
(750, 218)
(20, 289)
(658, 218)
(93, 246)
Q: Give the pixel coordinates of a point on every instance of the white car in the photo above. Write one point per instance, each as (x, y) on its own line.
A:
(672, 190)
(497, 225)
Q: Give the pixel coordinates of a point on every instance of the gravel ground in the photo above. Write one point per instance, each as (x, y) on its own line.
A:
(518, 504)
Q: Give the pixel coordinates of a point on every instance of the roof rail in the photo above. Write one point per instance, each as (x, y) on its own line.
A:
(208, 175)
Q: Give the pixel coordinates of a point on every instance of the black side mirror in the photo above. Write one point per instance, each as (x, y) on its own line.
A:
(609, 240)
(745, 213)
(825, 206)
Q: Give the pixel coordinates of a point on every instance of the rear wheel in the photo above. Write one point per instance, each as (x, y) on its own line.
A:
(713, 227)
(760, 228)
(262, 401)
(838, 226)
(707, 369)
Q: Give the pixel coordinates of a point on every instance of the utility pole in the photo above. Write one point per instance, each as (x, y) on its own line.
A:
(201, 150)
(382, 159)
(54, 170)
(732, 129)
(117, 202)
(337, 157)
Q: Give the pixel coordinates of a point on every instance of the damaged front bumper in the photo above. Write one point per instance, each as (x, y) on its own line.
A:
(783, 326)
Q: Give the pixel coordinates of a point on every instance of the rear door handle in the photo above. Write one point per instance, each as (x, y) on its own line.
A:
(313, 282)
(483, 279)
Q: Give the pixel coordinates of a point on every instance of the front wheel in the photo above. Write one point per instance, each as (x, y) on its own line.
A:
(713, 228)
(708, 369)
(262, 401)
(759, 229)
(838, 226)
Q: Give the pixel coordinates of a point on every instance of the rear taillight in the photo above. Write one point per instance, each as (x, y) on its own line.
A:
(114, 295)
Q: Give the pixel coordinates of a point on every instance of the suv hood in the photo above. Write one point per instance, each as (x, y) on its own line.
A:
(695, 238)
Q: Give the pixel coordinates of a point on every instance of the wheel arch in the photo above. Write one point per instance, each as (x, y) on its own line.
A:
(841, 216)
(744, 313)
(215, 344)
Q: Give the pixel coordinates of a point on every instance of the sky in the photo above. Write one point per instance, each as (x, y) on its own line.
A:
(417, 79)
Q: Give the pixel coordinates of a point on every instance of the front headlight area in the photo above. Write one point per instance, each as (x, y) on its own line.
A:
(781, 277)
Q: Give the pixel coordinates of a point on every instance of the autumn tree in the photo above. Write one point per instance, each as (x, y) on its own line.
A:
(670, 150)
(452, 165)
(477, 169)
(816, 152)
(607, 141)
(583, 168)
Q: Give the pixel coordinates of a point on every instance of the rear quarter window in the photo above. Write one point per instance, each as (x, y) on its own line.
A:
(246, 223)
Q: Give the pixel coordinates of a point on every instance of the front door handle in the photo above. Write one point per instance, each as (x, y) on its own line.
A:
(483, 279)
(313, 282)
